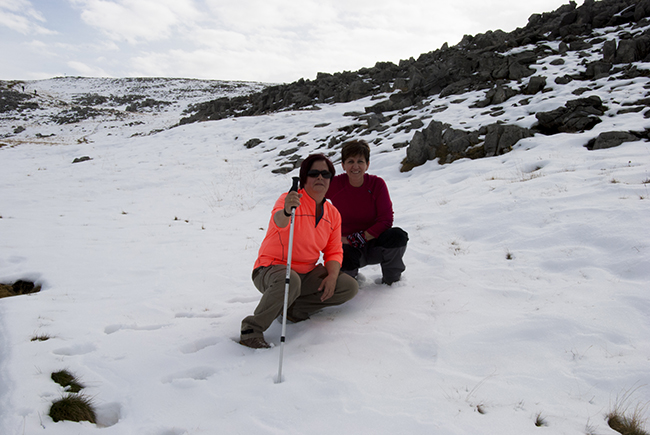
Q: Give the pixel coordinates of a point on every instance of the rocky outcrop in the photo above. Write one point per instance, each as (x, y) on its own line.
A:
(441, 141)
(576, 116)
(501, 138)
(612, 139)
(11, 100)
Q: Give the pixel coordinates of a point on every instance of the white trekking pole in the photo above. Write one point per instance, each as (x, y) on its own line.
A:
(294, 188)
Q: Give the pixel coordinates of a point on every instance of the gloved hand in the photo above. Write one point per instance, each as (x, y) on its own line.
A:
(357, 239)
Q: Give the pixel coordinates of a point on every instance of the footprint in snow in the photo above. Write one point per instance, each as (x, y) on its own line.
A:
(77, 349)
(193, 374)
(110, 329)
(424, 348)
(198, 345)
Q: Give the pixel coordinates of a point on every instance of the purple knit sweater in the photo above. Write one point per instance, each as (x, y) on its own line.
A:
(365, 208)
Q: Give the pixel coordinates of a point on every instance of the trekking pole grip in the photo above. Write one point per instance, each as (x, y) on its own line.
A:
(294, 187)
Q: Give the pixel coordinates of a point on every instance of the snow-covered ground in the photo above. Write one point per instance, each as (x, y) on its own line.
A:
(525, 295)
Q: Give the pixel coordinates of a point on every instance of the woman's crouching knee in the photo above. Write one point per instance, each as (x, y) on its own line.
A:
(346, 287)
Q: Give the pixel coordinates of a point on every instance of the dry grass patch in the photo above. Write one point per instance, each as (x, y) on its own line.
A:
(18, 288)
(68, 381)
(540, 421)
(627, 419)
(73, 407)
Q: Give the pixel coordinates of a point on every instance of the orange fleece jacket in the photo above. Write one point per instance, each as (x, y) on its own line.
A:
(309, 238)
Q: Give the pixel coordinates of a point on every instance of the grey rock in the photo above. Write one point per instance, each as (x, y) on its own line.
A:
(576, 116)
(501, 138)
(610, 139)
(252, 143)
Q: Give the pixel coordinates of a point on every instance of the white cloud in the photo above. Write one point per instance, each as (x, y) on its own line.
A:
(202, 63)
(261, 15)
(138, 20)
(326, 35)
(80, 68)
(21, 6)
(20, 16)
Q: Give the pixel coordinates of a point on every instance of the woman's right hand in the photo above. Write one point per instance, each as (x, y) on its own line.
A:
(292, 200)
(282, 218)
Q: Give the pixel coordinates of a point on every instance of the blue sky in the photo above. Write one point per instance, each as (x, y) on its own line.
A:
(253, 40)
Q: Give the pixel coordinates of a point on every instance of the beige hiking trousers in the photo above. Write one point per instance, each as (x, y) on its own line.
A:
(304, 297)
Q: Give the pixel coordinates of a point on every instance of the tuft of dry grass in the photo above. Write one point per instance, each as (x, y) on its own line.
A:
(20, 287)
(68, 381)
(624, 418)
(540, 421)
(73, 407)
(626, 425)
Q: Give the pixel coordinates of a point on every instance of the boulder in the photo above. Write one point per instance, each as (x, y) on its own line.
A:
(535, 84)
(609, 51)
(610, 139)
(626, 52)
(497, 95)
(425, 143)
(597, 70)
(252, 143)
(501, 138)
(642, 10)
(576, 116)
(448, 144)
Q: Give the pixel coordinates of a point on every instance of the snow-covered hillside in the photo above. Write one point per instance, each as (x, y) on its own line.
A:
(523, 309)
(71, 109)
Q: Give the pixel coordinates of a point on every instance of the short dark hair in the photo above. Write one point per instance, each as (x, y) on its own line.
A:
(309, 161)
(357, 147)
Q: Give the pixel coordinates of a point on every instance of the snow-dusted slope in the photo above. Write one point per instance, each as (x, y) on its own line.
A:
(122, 107)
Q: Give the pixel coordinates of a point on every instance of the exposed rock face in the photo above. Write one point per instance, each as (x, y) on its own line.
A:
(501, 138)
(612, 139)
(576, 116)
(447, 144)
(15, 100)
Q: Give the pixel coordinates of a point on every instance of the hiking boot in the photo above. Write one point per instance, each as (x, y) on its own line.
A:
(385, 281)
(294, 319)
(255, 343)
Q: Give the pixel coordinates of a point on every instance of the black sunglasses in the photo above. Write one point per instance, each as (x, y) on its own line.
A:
(314, 173)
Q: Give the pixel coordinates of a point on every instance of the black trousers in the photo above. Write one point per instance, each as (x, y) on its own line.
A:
(386, 250)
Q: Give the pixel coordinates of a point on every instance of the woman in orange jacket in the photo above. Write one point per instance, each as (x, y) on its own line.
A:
(317, 229)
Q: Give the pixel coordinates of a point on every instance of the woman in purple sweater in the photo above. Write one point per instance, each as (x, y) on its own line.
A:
(366, 211)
